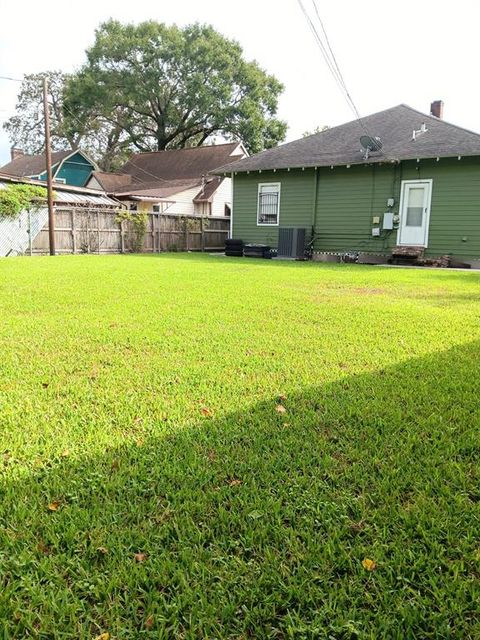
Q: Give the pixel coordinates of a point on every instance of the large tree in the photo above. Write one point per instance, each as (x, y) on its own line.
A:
(83, 127)
(26, 128)
(170, 87)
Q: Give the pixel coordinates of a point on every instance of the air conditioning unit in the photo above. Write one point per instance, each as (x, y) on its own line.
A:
(292, 243)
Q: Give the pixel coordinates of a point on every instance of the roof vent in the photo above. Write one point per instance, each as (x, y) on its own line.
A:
(418, 132)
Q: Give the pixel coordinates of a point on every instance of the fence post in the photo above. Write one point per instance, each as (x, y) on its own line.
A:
(203, 235)
(74, 233)
(186, 235)
(98, 232)
(30, 241)
(122, 236)
(88, 231)
(152, 230)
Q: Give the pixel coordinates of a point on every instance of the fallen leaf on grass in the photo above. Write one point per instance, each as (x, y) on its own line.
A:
(103, 636)
(234, 482)
(255, 514)
(206, 411)
(54, 505)
(212, 455)
(282, 398)
(65, 453)
(115, 465)
(102, 550)
(368, 564)
(45, 385)
(357, 527)
(43, 548)
(140, 557)
(280, 408)
(149, 622)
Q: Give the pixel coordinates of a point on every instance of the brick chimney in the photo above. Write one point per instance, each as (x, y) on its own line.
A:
(16, 153)
(436, 109)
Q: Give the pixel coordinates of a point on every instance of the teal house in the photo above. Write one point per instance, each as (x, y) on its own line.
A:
(68, 167)
(397, 185)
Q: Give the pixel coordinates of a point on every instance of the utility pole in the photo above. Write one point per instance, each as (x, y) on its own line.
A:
(48, 157)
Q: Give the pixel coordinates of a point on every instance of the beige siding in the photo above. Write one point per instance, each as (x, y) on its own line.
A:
(221, 197)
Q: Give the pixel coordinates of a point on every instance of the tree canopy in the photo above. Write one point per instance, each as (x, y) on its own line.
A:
(150, 87)
(171, 87)
(85, 128)
(26, 127)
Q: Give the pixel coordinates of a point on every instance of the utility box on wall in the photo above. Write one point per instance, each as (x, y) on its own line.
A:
(388, 221)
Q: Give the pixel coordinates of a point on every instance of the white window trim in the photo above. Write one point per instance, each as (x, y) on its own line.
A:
(429, 208)
(269, 184)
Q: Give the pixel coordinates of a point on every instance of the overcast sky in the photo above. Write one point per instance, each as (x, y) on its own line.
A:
(412, 51)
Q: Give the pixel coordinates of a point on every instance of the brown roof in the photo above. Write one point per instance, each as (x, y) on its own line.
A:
(32, 165)
(208, 190)
(110, 182)
(341, 145)
(181, 164)
(157, 188)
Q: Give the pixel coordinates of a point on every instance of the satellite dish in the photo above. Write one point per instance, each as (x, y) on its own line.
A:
(370, 144)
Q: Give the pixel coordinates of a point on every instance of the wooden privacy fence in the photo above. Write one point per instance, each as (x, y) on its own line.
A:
(92, 230)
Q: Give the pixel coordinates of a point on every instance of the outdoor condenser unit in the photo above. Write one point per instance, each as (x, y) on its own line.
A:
(291, 243)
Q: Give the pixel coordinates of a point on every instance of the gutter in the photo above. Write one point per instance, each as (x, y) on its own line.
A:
(230, 233)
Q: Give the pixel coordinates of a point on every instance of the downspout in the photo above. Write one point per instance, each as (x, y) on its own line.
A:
(314, 211)
(230, 234)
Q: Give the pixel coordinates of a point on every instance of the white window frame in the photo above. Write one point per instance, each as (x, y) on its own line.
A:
(427, 215)
(269, 184)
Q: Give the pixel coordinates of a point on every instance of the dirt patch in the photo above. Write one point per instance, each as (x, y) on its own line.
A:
(368, 291)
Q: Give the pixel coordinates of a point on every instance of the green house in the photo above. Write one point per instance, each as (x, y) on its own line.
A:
(398, 182)
(68, 167)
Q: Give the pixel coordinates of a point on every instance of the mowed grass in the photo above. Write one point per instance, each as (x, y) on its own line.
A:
(151, 488)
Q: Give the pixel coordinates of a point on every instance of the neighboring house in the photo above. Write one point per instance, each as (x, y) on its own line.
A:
(419, 193)
(176, 181)
(68, 167)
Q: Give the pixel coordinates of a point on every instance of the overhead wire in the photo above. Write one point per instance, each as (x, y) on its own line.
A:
(332, 63)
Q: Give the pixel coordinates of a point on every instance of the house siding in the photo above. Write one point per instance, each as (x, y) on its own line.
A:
(296, 204)
(221, 197)
(347, 199)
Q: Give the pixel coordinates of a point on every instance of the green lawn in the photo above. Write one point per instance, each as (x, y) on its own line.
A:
(151, 488)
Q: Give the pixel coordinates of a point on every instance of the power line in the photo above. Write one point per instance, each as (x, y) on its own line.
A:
(11, 79)
(333, 57)
(332, 63)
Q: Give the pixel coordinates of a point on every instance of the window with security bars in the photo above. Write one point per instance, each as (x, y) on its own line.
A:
(268, 203)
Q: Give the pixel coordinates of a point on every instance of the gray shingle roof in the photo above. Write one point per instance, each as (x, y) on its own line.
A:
(341, 145)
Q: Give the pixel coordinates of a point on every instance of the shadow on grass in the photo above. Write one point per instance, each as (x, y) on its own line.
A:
(255, 524)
